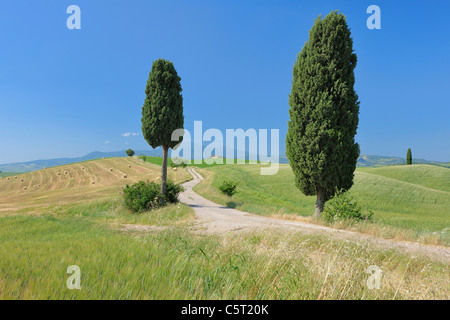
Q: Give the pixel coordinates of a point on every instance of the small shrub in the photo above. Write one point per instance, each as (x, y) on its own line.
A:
(228, 188)
(144, 196)
(130, 152)
(231, 204)
(172, 191)
(343, 207)
(144, 158)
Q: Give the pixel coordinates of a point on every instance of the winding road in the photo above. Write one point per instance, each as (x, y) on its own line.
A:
(213, 218)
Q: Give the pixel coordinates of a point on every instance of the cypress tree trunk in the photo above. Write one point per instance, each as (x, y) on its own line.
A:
(164, 173)
(320, 202)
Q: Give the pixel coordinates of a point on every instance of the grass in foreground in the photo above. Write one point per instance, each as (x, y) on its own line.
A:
(403, 200)
(176, 264)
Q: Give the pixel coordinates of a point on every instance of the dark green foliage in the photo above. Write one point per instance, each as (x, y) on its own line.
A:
(228, 188)
(144, 196)
(162, 112)
(130, 152)
(324, 109)
(409, 156)
(144, 158)
(172, 192)
(343, 207)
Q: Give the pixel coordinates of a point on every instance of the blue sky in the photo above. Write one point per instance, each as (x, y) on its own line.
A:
(65, 93)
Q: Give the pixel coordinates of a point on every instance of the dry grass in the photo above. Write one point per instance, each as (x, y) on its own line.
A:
(155, 256)
(403, 211)
(338, 269)
(92, 180)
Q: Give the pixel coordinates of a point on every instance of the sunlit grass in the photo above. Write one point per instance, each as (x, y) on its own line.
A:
(163, 258)
(433, 177)
(177, 264)
(412, 210)
(115, 213)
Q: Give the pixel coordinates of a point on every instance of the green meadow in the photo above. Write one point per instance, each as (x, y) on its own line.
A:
(157, 255)
(159, 160)
(411, 199)
(173, 263)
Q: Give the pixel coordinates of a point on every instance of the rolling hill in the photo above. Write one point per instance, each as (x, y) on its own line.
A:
(363, 161)
(366, 160)
(41, 164)
(415, 197)
(66, 220)
(100, 179)
(374, 160)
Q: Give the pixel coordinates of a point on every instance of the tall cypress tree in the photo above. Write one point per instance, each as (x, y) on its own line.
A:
(162, 112)
(408, 156)
(324, 108)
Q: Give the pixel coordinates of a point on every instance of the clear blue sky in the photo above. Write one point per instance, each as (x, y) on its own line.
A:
(65, 93)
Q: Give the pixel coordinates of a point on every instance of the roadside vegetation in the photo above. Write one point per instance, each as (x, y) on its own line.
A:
(403, 199)
(145, 195)
(170, 262)
(228, 188)
(157, 254)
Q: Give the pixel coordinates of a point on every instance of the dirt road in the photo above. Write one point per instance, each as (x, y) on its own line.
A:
(215, 218)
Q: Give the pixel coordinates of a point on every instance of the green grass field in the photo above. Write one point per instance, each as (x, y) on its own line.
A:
(155, 255)
(174, 263)
(433, 177)
(415, 198)
(154, 160)
(158, 161)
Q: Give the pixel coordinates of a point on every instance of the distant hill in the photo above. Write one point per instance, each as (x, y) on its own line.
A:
(40, 164)
(363, 161)
(374, 161)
